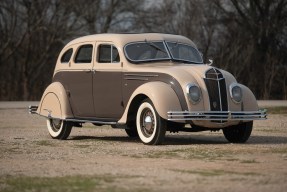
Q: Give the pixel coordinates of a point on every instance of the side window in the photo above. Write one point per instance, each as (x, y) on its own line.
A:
(67, 56)
(84, 54)
(115, 54)
(108, 54)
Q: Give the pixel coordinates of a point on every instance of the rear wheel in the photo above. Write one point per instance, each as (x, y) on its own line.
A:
(238, 133)
(150, 126)
(59, 129)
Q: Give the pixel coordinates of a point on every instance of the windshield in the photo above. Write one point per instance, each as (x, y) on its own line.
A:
(160, 51)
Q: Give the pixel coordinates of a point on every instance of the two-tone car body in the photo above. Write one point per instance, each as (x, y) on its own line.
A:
(148, 84)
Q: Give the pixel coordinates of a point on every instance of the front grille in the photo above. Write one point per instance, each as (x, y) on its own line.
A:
(216, 87)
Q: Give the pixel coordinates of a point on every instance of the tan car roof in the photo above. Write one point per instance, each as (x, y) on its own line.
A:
(123, 39)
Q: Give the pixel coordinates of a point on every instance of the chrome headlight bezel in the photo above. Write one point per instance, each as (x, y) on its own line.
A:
(234, 96)
(191, 96)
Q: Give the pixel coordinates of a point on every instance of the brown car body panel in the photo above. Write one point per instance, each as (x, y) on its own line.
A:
(109, 92)
(79, 88)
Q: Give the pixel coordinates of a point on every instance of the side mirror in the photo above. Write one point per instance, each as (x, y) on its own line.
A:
(210, 62)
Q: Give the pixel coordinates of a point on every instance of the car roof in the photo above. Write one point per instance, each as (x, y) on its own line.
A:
(121, 39)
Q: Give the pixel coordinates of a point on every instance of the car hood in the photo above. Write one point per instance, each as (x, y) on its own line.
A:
(184, 73)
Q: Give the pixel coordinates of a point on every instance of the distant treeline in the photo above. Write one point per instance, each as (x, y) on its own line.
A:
(245, 37)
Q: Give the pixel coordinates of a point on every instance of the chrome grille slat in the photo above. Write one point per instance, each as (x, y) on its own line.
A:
(216, 88)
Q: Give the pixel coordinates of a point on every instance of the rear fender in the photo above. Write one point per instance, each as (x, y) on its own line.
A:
(55, 102)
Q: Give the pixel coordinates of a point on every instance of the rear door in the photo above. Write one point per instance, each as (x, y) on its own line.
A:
(79, 81)
(107, 82)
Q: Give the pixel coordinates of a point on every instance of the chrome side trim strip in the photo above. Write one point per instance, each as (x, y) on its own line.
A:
(141, 75)
(141, 79)
(214, 79)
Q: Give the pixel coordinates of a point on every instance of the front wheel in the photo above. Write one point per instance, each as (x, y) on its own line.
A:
(132, 133)
(59, 129)
(238, 133)
(150, 126)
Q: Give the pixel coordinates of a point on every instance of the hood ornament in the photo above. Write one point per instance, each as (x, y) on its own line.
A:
(210, 62)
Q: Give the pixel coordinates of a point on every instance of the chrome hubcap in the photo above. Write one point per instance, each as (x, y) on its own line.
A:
(147, 123)
(55, 124)
(148, 119)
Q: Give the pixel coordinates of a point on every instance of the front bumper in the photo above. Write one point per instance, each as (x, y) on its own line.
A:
(217, 115)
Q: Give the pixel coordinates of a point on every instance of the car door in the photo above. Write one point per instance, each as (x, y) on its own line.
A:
(79, 81)
(107, 82)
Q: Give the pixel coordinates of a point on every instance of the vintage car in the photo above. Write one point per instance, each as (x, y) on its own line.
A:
(147, 84)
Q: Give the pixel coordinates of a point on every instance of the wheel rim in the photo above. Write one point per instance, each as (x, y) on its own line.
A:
(55, 124)
(147, 122)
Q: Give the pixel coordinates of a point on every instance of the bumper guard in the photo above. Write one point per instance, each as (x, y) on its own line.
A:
(33, 109)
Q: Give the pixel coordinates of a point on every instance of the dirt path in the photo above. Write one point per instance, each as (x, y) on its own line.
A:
(111, 161)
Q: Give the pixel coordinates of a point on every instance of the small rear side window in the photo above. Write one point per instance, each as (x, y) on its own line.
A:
(84, 54)
(67, 56)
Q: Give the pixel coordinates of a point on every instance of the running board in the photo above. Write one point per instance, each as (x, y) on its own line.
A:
(91, 121)
(33, 109)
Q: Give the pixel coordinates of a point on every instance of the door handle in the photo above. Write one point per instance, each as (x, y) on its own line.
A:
(88, 70)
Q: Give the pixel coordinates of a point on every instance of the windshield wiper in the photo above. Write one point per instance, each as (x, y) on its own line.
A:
(155, 46)
(174, 46)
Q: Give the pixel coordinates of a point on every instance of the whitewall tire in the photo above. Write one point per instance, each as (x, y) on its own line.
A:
(151, 127)
(238, 133)
(59, 129)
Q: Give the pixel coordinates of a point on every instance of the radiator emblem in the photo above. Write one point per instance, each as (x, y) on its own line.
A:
(214, 104)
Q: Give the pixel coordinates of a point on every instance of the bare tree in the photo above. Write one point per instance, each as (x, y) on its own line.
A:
(246, 37)
(254, 35)
(35, 31)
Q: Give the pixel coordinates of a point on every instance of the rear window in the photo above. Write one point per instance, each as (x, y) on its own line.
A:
(67, 56)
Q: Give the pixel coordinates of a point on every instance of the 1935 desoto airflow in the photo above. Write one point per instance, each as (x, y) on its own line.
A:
(147, 84)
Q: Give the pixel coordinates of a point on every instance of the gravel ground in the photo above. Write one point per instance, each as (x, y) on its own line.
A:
(202, 161)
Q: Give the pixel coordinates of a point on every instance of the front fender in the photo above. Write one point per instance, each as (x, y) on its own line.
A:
(249, 101)
(161, 94)
(55, 103)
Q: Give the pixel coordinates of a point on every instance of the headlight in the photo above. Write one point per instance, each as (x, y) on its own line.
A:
(236, 93)
(193, 93)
